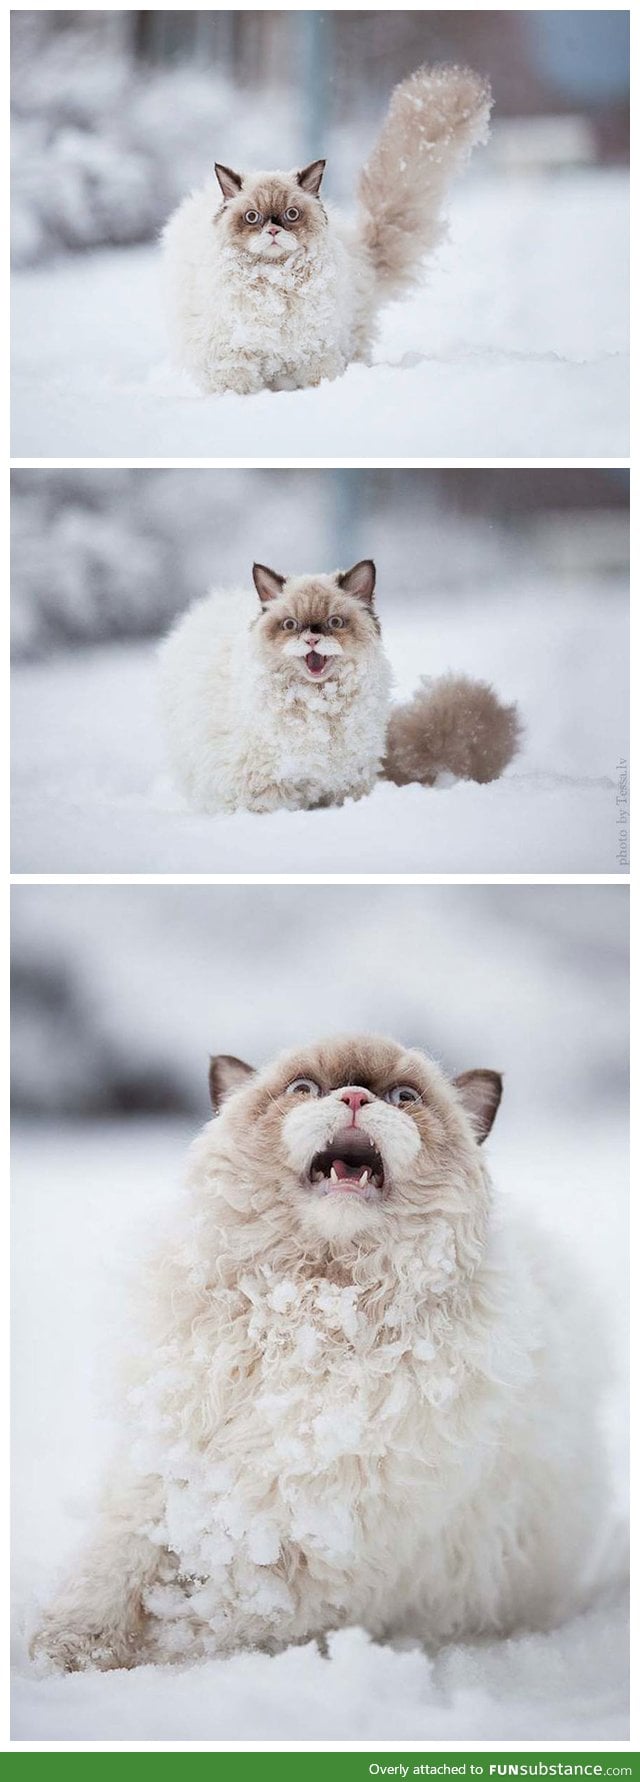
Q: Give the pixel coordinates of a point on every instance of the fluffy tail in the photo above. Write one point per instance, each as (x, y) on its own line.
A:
(434, 120)
(451, 726)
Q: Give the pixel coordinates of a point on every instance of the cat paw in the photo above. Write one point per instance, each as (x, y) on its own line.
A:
(236, 379)
(59, 1646)
(325, 369)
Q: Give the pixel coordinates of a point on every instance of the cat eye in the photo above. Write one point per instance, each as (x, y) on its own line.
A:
(289, 625)
(303, 1086)
(252, 216)
(335, 622)
(401, 1095)
(291, 216)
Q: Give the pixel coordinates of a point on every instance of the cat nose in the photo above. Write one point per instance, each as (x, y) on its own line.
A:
(313, 637)
(355, 1099)
(273, 229)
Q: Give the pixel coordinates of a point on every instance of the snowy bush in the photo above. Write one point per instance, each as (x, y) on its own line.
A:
(103, 147)
(74, 572)
(118, 554)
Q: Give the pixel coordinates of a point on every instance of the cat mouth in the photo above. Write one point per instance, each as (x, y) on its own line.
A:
(316, 663)
(351, 1164)
(271, 244)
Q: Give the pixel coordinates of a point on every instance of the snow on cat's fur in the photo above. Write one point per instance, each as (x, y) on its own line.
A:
(270, 289)
(290, 707)
(361, 1395)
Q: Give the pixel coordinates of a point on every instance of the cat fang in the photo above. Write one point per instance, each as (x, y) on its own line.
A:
(270, 288)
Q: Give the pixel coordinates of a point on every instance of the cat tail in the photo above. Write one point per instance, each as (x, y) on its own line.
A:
(435, 119)
(451, 725)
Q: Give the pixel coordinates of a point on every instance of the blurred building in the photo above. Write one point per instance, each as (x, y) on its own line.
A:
(538, 62)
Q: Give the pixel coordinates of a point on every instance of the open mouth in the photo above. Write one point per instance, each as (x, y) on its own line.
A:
(316, 663)
(351, 1164)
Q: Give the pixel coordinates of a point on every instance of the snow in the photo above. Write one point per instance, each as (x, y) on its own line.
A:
(363, 1692)
(517, 346)
(84, 1197)
(91, 794)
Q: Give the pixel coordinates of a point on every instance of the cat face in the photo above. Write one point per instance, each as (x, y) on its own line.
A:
(316, 628)
(350, 1136)
(271, 216)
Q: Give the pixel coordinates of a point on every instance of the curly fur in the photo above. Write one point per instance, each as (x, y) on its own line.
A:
(451, 725)
(435, 119)
(249, 312)
(344, 1409)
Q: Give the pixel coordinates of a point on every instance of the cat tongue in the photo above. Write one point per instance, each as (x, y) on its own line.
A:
(314, 662)
(346, 1172)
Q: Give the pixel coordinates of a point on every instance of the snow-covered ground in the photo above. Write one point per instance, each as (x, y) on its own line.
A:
(88, 776)
(517, 346)
(83, 1198)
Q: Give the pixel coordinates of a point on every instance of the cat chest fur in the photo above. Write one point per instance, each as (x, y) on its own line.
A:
(287, 1467)
(321, 739)
(282, 314)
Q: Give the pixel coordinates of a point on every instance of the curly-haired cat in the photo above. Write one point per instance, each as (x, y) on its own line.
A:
(288, 705)
(271, 289)
(363, 1394)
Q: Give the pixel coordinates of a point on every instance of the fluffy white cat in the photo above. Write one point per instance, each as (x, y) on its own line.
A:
(362, 1396)
(288, 705)
(269, 288)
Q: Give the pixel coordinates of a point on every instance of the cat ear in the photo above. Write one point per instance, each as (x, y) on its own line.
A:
(225, 1076)
(360, 580)
(480, 1092)
(310, 178)
(268, 584)
(230, 183)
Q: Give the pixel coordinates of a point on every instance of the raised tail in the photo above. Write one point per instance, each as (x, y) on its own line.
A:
(452, 726)
(435, 119)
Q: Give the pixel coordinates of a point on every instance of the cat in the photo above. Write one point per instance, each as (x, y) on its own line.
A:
(271, 289)
(362, 1396)
(289, 707)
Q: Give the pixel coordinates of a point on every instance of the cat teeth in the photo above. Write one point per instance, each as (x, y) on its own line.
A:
(319, 1179)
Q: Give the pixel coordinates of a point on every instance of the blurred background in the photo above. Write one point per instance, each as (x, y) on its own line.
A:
(120, 994)
(117, 554)
(117, 114)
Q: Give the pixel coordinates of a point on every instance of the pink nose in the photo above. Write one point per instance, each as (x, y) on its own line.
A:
(273, 230)
(356, 1099)
(313, 637)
